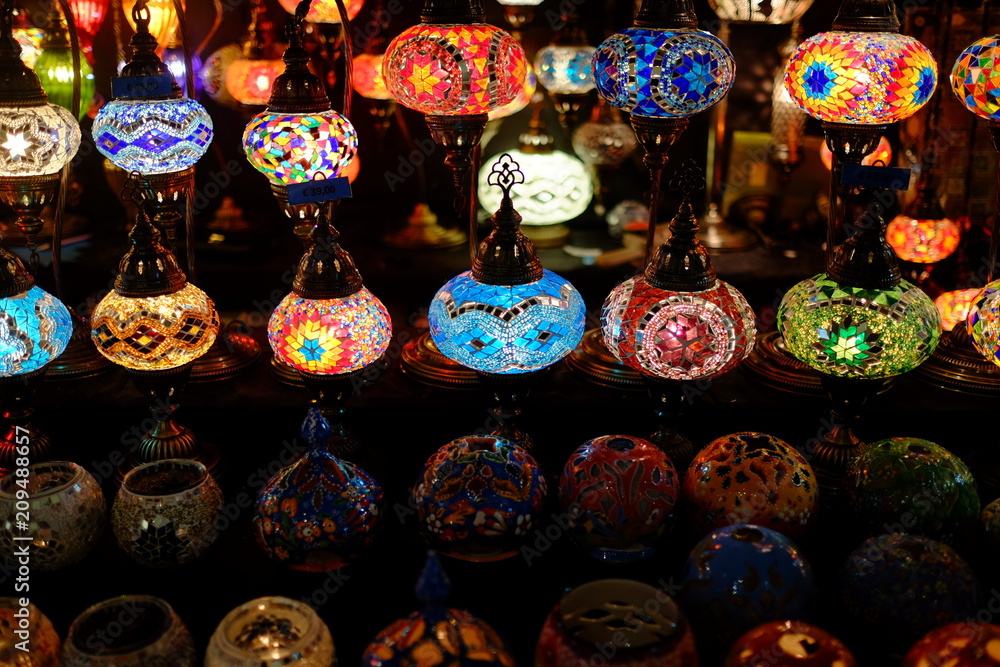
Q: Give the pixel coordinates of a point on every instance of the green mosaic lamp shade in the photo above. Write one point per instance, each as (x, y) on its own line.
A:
(856, 332)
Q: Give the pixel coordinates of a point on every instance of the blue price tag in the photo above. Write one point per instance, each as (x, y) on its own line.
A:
(321, 190)
(883, 178)
(141, 86)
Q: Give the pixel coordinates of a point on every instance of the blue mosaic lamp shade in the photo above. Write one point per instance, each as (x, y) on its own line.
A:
(566, 69)
(35, 328)
(663, 73)
(507, 329)
(153, 136)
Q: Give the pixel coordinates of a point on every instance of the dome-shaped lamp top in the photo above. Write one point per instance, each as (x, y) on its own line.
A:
(861, 78)
(462, 69)
(975, 78)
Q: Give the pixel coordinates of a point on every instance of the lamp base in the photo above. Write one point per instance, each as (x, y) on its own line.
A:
(285, 374)
(423, 231)
(81, 359)
(171, 191)
(547, 236)
(774, 366)
(957, 365)
(717, 234)
(422, 361)
(670, 403)
(230, 354)
(330, 393)
(303, 216)
(594, 361)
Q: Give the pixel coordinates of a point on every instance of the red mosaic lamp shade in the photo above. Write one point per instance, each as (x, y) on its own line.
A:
(89, 15)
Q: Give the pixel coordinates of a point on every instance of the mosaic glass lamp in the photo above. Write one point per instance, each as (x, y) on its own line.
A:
(159, 136)
(565, 69)
(369, 84)
(37, 139)
(54, 68)
(954, 306)
(155, 324)
(325, 11)
(557, 187)
(299, 137)
(88, 15)
(520, 102)
(250, 78)
(163, 19)
(975, 78)
(677, 321)
(924, 235)
(760, 11)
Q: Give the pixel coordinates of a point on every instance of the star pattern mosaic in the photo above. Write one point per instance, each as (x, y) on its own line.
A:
(330, 336)
(663, 73)
(975, 79)
(855, 332)
(35, 328)
(454, 70)
(294, 148)
(861, 78)
(507, 329)
(153, 137)
(678, 335)
(36, 141)
(155, 333)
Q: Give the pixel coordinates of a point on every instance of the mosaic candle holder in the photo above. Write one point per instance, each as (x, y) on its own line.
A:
(645, 623)
(156, 636)
(974, 78)
(296, 148)
(620, 493)
(66, 507)
(938, 586)
(789, 644)
(751, 478)
(507, 329)
(271, 631)
(165, 511)
(856, 332)
(861, 78)
(43, 641)
(663, 73)
(330, 336)
(957, 645)
(156, 332)
(915, 486)
(37, 140)
(36, 329)
(479, 498)
(153, 136)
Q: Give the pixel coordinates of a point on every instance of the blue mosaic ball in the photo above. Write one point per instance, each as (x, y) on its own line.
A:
(742, 576)
(507, 329)
(35, 328)
(663, 73)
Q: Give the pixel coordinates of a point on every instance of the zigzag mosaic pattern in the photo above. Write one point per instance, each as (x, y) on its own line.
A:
(35, 328)
(150, 137)
(663, 73)
(507, 329)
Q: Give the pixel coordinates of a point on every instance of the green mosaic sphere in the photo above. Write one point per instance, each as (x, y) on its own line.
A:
(909, 485)
(858, 333)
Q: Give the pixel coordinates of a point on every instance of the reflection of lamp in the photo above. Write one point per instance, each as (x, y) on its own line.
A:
(54, 68)
(36, 329)
(556, 188)
(299, 137)
(565, 69)
(163, 19)
(677, 321)
(250, 78)
(777, 11)
(154, 324)
(507, 316)
(325, 11)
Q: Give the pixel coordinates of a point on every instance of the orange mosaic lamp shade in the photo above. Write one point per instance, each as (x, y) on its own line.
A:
(954, 306)
(922, 241)
(861, 78)
(325, 11)
(368, 81)
(454, 70)
(249, 81)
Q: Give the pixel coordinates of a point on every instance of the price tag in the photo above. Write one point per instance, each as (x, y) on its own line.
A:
(142, 86)
(882, 178)
(317, 191)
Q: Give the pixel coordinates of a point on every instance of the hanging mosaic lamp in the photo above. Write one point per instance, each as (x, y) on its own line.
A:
(54, 68)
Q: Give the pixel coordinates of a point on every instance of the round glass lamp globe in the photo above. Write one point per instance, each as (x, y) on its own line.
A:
(249, 81)
(507, 329)
(452, 70)
(566, 70)
(604, 143)
(155, 333)
(213, 73)
(663, 73)
(856, 332)
(55, 72)
(153, 136)
(325, 11)
(975, 78)
(678, 335)
(35, 328)
(37, 141)
(368, 81)
(292, 148)
(522, 100)
(861, 78)
(983, 321)
(163, 20)
(776, 11)
(954, 306)
(330, 336)
(922, 241)
(556, 188)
